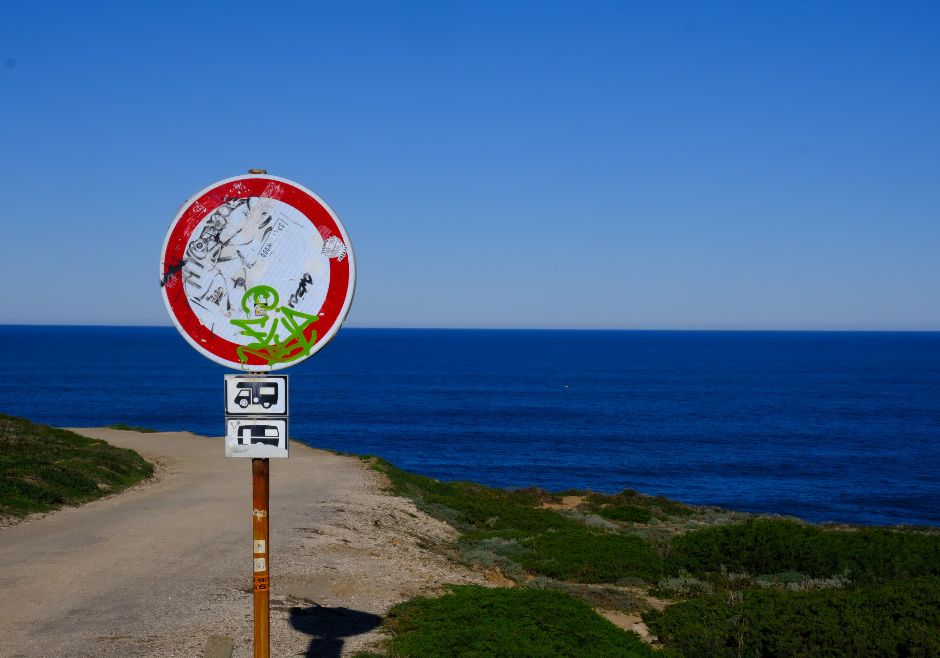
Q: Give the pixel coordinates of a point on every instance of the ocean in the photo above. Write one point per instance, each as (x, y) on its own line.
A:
(827, 426)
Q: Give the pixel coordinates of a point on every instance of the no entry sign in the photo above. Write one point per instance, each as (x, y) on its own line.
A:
(257, 272)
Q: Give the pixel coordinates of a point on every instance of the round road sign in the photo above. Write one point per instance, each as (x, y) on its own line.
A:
(257, 272)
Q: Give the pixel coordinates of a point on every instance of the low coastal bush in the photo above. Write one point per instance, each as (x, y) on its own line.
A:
(901, 618)
(42, 468)
(754, 586)
(479, 621)
(590, 557)
(499, 525)
(131, 428)
(635, 507)
(627, 514)
(772, 546)
(606, 597)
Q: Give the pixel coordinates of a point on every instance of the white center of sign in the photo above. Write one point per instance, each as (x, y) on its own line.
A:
(250, 256)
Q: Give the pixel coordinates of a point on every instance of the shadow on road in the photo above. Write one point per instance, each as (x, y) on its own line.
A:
(330, 626)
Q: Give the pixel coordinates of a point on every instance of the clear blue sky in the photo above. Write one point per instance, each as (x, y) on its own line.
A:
(504, 164)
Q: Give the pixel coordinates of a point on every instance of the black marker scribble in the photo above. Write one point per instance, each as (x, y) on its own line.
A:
(173, 269)
(301, 290)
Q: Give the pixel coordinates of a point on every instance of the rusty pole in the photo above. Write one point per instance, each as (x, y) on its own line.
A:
(260, 479)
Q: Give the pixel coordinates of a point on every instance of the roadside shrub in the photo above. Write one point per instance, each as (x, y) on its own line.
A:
(43, 467)
(682, 586)
(627, 513)
(474, 507)
(590, 557)
(635, 507)
(607, 597)
(898, 619)
(769, 546)
(499, 525)
(478, 621)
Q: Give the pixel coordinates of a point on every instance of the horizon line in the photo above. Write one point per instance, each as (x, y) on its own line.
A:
(598, 329)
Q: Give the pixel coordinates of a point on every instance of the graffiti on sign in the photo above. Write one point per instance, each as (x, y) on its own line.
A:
(257, 273)
(264, 329)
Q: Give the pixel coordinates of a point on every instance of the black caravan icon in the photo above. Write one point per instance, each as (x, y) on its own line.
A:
(263, 393)
(254, 434)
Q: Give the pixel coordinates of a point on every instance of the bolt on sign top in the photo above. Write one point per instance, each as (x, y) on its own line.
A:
(257, 272)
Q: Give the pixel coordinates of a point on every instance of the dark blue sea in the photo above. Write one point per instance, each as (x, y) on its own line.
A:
(827, 426)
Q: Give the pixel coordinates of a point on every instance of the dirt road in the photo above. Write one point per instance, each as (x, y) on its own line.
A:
(156, 570)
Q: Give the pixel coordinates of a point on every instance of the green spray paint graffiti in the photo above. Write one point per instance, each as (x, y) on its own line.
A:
(260, 303)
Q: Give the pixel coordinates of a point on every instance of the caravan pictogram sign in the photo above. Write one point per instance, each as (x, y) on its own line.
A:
(247, 395)
(257, 272)
(258, 437)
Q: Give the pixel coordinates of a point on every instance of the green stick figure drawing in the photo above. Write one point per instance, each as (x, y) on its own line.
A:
(262, 303)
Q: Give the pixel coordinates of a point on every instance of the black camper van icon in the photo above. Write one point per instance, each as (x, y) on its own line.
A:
(263, 393)
(254, 434)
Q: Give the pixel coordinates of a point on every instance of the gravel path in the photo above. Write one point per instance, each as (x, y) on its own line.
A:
(156, 570)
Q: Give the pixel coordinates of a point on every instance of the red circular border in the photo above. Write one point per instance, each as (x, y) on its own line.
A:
(185, 225)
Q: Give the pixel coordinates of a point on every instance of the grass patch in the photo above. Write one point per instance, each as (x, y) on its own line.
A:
(626, 514)
(500, 525)
(131, 428)
(633, 507)
(586, 556)
(779, 587)
(774, 546)
(895, 619)
(43, 468)
(608, 597)
(478, 621)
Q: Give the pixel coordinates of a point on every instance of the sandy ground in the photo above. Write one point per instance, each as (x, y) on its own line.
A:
(156, 570)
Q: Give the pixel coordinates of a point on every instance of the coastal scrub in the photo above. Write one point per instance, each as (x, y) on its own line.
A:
(43, 468)
(734, 584)
(478, 621)
(513, 530)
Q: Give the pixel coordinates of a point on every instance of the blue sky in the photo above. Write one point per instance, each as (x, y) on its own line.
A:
(507, 164)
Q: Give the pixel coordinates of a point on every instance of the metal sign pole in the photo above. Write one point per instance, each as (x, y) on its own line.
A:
(260, 480)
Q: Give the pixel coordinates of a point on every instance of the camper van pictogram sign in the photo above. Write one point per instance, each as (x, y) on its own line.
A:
(255, 395)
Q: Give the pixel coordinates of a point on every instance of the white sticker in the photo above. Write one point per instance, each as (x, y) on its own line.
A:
(259, 564)
(259, 546)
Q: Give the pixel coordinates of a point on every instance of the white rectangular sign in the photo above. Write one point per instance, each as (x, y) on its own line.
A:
(250, 395)
(255, 437)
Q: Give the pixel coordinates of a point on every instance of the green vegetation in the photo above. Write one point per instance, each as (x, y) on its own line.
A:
(635, 507)
(746, 585)
(131, 428)
(511, 530)
(42, 468)
(589, 556)
(897, 619)
(768, 546)
(481, 622)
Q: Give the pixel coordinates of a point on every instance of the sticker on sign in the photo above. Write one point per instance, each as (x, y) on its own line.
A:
(257, 272)
(257, 437)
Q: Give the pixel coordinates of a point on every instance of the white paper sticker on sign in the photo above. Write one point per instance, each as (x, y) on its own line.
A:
(259, 546)
(259, 564)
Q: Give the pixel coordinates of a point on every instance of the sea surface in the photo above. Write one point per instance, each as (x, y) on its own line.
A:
(827, 426)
